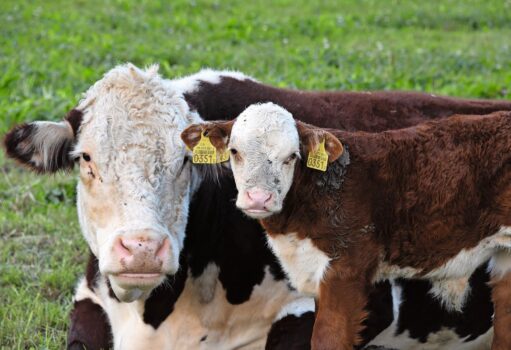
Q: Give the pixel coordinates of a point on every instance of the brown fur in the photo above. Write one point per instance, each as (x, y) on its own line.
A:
(501, 296)
(412, 198)
(365, 111)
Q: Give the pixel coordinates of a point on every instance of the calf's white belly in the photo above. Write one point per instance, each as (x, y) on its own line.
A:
(450, 280)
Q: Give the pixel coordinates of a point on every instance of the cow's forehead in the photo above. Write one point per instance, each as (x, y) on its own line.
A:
(133, 109)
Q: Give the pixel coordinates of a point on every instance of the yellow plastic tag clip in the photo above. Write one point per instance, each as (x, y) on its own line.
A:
(205, 153)
(318, 159)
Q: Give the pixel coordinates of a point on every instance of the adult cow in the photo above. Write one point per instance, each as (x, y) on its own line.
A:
(216, 288)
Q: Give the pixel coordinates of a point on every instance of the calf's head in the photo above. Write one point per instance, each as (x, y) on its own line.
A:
(134, 180)
(265, 144)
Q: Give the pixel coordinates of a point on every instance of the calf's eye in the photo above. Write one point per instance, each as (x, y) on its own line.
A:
(86, 157)
(290, 158)
(234, 151)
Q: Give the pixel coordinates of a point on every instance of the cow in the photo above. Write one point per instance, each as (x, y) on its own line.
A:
(158, 229)
(343, 210)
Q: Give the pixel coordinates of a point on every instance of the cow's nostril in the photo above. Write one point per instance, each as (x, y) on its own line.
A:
(123, 248)
(163, 250)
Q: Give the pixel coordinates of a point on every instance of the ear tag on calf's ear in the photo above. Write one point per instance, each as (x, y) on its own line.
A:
(318, 159)
(224, 156)
(205, 153)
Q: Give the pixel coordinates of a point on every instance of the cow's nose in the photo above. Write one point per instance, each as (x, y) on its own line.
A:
(257, 198)
(142, 247)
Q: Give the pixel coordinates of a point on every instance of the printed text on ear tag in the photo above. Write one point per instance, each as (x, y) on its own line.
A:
(205, 153)
(318, 159)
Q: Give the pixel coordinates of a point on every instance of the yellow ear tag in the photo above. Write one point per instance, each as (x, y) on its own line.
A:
(224, 156)
(205, 153)
(318, 159)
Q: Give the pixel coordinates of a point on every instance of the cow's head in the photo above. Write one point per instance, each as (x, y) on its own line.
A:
(134, 179)
(265, 142)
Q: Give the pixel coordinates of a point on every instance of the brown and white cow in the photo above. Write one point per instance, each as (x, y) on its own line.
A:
(136, 185)
(430, 202)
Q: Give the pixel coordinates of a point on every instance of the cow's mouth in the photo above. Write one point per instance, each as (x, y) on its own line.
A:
(138, 279)
(130, 286)
(258, 213)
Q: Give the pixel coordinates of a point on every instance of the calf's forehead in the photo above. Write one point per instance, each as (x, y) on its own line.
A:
(267, 128)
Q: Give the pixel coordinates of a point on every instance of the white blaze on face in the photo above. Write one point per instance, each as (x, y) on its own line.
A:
(134, 187)
(264, 144)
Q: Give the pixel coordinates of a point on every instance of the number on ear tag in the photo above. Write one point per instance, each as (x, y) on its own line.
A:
(205, 153)
(318, 159)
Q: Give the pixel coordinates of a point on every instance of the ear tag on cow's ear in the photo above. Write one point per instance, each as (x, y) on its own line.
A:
(205, 153)
(318, 159)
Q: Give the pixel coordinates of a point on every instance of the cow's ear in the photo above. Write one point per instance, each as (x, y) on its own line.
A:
(311, 136)
(44, 146)
(217, 131)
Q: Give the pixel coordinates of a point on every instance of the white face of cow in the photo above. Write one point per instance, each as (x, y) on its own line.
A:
(134, 182)
(265, 143)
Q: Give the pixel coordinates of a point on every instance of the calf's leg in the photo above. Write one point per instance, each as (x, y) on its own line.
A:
(501, 296)
(340, 313)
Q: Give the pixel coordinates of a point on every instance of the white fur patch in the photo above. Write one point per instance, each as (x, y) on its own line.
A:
(303, 262)
(451, 293)
(202, 317)
(297, 308)
(450, 281)
(191, 83)
(83, 292)
(46, 139)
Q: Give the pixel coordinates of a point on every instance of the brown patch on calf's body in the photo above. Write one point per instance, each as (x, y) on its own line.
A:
(427, 193)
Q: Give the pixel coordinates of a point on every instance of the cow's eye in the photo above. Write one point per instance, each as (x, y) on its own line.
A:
(234, 151)
(290, 158)
(86, 157)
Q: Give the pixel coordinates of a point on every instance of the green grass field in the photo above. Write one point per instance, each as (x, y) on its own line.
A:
(51, 51)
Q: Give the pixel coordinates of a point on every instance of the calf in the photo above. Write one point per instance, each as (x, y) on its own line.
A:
(430, 202)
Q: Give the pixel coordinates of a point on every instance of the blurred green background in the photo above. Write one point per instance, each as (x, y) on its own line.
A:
(52, 51)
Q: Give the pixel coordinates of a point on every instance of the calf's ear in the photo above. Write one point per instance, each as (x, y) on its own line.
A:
(43, 146)
(217, 131)
(312, 136)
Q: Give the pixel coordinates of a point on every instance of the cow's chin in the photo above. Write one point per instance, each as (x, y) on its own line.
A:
(131, 287)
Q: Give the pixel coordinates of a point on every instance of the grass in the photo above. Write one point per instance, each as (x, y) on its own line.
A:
(51, 51)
